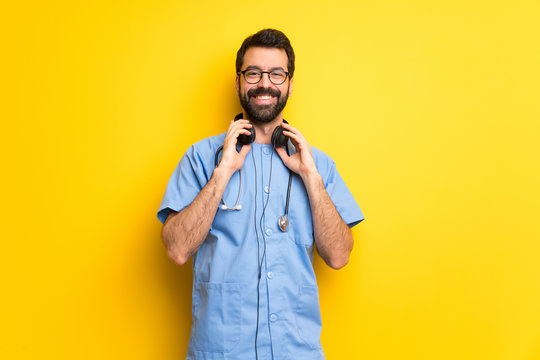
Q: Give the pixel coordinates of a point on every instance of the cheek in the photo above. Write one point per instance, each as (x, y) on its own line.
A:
(285, 92)
(244, 90)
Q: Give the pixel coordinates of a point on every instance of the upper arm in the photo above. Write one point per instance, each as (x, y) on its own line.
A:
(341, 196)
(187, 180)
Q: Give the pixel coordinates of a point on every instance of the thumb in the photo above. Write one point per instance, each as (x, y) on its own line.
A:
(283, 155)
(244, 151)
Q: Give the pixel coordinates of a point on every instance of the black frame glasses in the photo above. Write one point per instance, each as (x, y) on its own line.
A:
(276, 80)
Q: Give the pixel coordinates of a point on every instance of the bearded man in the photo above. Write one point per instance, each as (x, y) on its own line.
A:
(255, 294)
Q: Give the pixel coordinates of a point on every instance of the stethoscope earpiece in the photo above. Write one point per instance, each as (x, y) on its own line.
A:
(235, 207)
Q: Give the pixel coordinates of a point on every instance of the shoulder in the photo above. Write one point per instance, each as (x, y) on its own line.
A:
(211, 143)
(205, 149)
(323, 161)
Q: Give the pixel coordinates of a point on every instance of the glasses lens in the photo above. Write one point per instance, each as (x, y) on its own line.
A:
(277, 77)
(252, 76)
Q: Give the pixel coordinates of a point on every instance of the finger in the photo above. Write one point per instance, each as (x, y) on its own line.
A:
(232, 136)
(290, 128)
(295, 131)
(239, 123)
(283, 155)
(294, 137)
(244, 151)
(237, 131)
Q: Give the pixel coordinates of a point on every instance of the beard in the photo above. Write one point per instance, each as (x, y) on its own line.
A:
(263, 113)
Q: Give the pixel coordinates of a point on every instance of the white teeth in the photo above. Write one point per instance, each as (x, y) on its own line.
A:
(264, 97)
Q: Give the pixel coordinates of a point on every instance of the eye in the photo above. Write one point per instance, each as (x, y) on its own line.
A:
(253, 73)
(277, 74)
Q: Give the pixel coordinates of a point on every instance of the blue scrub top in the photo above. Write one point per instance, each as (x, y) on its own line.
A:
(226, 266)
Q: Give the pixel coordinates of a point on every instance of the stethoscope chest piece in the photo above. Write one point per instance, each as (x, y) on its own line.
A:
(283, 223)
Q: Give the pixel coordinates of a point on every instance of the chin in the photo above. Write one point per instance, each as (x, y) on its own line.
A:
(262, 117)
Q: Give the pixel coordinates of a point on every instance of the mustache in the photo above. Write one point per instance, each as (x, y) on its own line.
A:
(262, 91)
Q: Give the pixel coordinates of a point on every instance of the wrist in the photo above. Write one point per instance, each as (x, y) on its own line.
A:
(221, 177)
(311, 178)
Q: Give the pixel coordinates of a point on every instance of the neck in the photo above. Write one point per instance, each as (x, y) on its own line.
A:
(264, 130)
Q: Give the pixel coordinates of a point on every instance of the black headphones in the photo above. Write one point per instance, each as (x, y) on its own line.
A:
(278, 139)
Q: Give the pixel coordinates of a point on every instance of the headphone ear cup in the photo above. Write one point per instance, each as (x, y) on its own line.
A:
(278, 138)
(247, 139)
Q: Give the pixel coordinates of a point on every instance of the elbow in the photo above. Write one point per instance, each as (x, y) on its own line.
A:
(175, 253)
(177, 258)
(338, 262)
(338, 257)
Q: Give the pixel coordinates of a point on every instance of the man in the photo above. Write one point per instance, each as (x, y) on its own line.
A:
(255, 294)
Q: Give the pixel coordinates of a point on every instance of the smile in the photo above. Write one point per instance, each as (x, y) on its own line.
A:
(264, 100)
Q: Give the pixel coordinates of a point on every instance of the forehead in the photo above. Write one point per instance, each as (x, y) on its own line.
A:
(265, 58)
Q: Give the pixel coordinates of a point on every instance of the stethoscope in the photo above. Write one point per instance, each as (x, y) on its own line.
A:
(278, 139)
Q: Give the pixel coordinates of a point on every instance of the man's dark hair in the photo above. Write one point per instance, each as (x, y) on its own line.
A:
(266, 38)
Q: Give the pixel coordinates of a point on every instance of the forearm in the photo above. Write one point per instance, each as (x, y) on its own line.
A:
(332, 236)
(184, 232)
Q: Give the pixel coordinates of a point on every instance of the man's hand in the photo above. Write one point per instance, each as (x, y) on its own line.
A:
(300, 162)
(231, 160)
(332, 236)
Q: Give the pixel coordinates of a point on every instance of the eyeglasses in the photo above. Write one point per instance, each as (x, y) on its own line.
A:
(253, 76)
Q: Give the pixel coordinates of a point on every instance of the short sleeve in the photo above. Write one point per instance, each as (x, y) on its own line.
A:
(186, 182)
(342, 198)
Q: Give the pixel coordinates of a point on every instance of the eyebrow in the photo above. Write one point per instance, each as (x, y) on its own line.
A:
(251, 67)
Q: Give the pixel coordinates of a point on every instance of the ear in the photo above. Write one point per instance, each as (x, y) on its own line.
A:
(237, 84)
(290, 86)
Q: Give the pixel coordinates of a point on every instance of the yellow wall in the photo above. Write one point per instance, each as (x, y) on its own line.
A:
(430, 109)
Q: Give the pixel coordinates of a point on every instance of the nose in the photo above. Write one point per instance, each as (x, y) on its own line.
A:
(265, 81)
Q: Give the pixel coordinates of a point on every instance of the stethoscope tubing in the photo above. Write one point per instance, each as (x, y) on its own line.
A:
(239, 207)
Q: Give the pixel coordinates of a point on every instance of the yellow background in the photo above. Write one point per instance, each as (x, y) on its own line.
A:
(430, 110)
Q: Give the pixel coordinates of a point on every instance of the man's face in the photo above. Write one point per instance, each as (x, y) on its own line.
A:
(264, 101)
